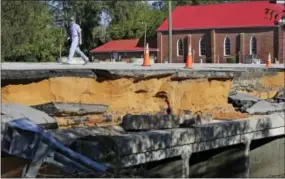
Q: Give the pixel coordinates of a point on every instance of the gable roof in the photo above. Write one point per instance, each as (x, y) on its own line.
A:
(226, 15)
(129, 45)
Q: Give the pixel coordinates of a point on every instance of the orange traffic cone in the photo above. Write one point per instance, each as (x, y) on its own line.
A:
(189, 59)
(146, 61)
(268, 63)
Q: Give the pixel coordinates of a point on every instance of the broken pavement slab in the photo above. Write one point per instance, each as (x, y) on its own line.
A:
(147, 122)
(14, 111)
(242, 100)
(33, 74)
(71, 109)
(265, 107)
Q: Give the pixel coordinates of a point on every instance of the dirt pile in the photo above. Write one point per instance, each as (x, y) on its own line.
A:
(129, 96)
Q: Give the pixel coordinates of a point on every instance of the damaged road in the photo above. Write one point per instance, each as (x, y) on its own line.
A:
(160, 114)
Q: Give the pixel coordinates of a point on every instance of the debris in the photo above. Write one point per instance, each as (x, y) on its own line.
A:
(27, 140)
(14, 111)
(242, 101)
(147, 122)
(63, 109)
(265, 107)
(197, 118)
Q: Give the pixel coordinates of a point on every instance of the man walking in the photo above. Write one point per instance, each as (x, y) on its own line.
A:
(75, 33)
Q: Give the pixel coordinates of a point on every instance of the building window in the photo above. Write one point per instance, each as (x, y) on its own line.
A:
(180, 47)
(202, 47)
(253, 49)
(227, 46)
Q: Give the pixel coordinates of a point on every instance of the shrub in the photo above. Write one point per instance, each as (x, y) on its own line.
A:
(231, 60)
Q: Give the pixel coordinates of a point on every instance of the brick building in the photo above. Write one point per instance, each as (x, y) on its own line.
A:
(123, 50)
(225, 32)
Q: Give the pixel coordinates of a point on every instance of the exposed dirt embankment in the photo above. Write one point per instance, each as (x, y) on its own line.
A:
(128, 96)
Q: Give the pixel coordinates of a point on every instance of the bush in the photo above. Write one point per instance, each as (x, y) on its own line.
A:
(231, 60)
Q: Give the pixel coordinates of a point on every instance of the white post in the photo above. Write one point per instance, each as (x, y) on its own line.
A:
(185, 162)
(247, 142)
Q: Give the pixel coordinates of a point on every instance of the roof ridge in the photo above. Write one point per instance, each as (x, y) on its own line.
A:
(123, 39)
(224, 3)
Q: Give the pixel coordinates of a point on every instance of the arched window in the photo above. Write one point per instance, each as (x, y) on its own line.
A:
(227, 46)
(202, 46)
(180, 47)
(253, 49)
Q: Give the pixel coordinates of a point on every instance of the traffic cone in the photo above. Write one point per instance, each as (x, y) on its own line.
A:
(189, 59)
(268, 63)
(146, 61)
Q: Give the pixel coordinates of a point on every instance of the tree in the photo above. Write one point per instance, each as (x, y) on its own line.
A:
(130, 18)
(28, 33)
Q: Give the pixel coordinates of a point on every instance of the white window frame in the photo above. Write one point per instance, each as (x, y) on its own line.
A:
(177, 47)
(250, 45)
(202, 38)
(225, 46)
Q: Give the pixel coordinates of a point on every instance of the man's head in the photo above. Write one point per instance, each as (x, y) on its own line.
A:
(72, 19)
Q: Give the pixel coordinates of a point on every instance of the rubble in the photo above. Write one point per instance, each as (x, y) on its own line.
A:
(71, 109)
(265, 107)
(188, 118)
(14, 111)
(27, 140)
(242, 101)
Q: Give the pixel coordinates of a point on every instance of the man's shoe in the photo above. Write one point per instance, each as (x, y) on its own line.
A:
(86, 62)
(66, 63)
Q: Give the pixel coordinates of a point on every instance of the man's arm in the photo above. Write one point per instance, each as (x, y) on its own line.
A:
(79, 34)
(80, 38)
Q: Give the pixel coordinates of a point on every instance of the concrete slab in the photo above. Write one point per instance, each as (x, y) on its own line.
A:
(15, 111)
(265, 107)
(242, 101)
(42, 73)
(133, 148)
(111, 65)
(12, 71)
(71, 109)
(148, 122)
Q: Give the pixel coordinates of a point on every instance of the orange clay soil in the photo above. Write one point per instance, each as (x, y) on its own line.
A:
(124, 96)
(273, 81)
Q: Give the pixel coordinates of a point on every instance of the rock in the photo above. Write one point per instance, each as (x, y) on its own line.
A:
(147, 122)
(62, 109)
(198, 118)
(242, 101)
(265, 107)
(16, 111)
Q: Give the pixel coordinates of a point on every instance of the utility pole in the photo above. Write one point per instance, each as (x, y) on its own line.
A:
(60, 43)
(145, 27)
(169, 33)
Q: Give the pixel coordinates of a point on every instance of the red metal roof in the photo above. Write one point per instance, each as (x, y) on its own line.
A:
(130, 45)
(226, 15)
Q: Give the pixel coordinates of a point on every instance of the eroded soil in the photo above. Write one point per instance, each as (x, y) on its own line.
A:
(127, 96)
